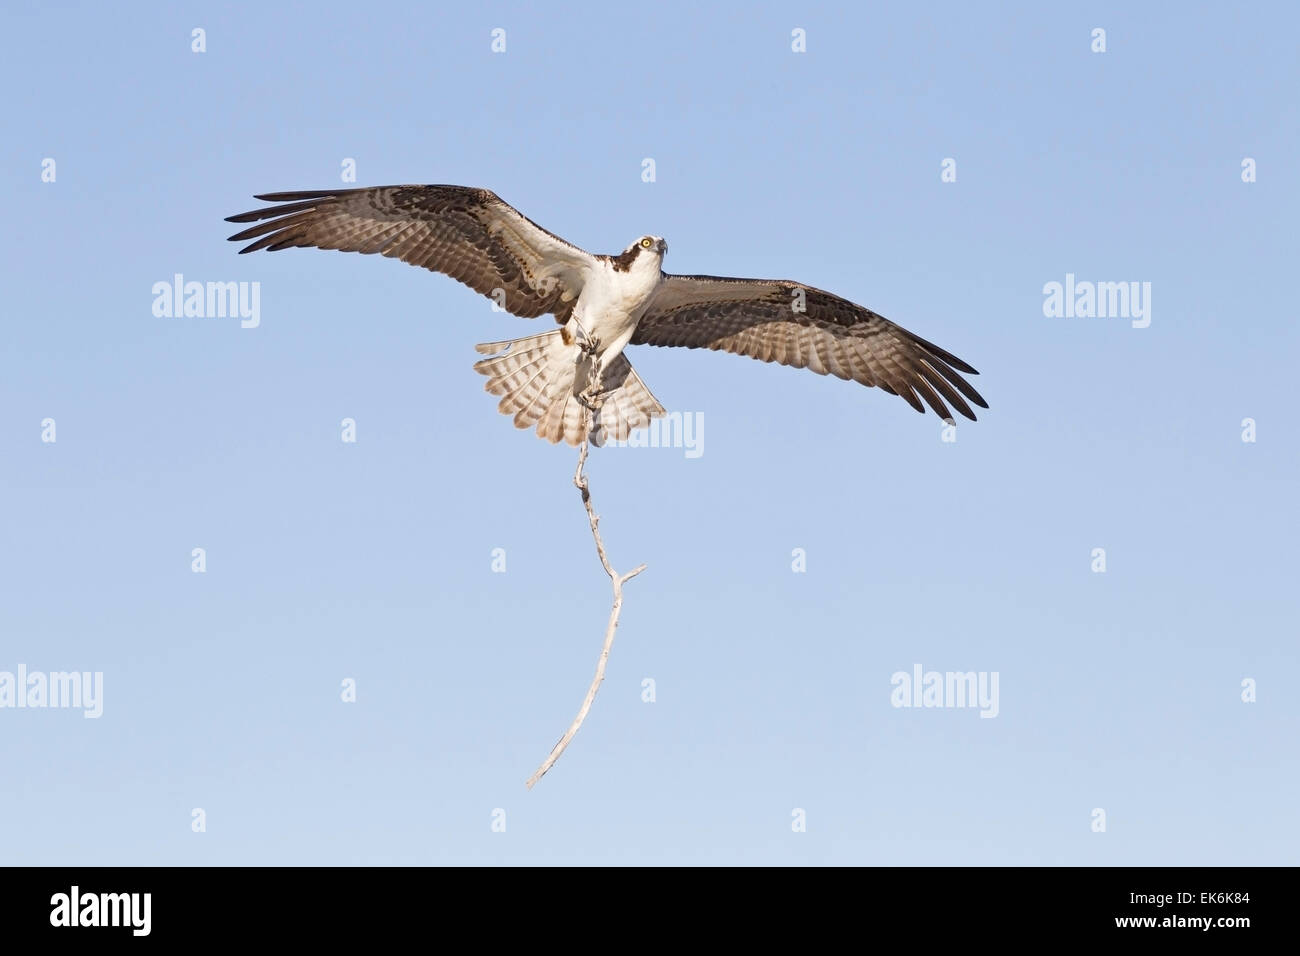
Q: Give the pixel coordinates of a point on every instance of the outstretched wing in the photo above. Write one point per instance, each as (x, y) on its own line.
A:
(469, 234)
(781, 321)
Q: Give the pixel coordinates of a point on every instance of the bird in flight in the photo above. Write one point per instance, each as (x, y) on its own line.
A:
(603, 304)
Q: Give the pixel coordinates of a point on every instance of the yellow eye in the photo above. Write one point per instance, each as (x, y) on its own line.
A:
(645, 243)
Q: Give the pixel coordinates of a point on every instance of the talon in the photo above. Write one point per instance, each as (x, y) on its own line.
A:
(586, 344)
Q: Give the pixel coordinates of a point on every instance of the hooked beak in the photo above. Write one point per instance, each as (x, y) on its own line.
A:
(662, 246)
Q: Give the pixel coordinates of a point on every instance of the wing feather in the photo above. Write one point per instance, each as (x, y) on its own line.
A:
(781, 321)
(469, 234)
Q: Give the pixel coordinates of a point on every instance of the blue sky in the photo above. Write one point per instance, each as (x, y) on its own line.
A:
(372, 561)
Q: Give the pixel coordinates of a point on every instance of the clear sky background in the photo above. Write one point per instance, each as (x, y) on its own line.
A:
(372, 561)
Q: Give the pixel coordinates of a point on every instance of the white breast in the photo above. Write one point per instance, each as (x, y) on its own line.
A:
(612, 301)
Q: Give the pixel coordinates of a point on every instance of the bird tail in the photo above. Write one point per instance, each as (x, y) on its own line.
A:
(537, 379)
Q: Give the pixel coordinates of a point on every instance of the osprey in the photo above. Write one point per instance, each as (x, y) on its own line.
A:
(603, 304)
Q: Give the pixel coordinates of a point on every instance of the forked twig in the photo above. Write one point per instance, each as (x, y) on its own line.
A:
(591, 396)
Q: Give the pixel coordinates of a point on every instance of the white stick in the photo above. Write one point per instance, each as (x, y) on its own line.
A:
(592, 394)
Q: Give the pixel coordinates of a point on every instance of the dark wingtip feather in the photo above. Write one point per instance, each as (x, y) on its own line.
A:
(951, 359)
(304, 200)
(974, 396)
(909, 396)
(293, 194)
(942, 354)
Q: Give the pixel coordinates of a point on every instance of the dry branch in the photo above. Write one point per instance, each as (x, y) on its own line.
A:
(591, 401)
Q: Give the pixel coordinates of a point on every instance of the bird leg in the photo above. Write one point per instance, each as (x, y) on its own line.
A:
(588, 360)
(586, 344)
(592, 397)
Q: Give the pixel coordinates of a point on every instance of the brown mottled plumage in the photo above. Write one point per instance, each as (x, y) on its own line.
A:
(468, 234)
(780, 321)
(605, 303)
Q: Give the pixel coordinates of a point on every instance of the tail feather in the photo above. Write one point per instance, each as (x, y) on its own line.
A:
(536, 378)
(563, 420)
(523, 389)
(632, 403)
(530, 406)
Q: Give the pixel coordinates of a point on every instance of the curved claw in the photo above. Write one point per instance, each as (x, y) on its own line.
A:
(587, 345)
